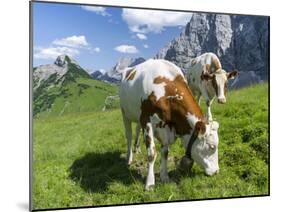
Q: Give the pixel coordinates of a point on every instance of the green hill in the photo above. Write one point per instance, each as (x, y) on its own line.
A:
(79, 158)
(83, 95)
(65, 87)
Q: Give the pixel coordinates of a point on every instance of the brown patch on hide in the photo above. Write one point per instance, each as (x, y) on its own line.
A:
(215, 85)
(207, 76)
(171, 110)
(215, 65)
(130, 74)
(200, 127)
(232, 74)
(147, 141)
(225, 88)
(208, 68)
(153, 155)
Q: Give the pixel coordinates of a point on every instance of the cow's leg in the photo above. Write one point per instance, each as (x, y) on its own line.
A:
(151, 153)
(209, 113)
(137, 142)
(128, 132)
(163, 168)
(166, 136)
(208, 103)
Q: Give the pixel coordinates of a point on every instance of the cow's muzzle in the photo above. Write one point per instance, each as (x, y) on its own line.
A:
(211, 173)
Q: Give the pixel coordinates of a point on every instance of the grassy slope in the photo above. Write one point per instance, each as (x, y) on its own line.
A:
(81, 96)
(79, 159)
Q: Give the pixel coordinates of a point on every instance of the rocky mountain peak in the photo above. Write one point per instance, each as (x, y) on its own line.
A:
(63, 60)
(60, 61)
(241, 42)
(114, 74)
(63, 69)
(125, 62)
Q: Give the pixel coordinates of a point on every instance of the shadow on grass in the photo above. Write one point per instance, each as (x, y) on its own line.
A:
(95, 171)
(177, 174)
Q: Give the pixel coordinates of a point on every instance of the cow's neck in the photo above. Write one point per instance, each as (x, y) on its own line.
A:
(185, 115)
(192, 119)
(190, 105)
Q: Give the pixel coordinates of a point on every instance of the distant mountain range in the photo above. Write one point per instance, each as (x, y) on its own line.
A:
(114, 74)
(241, 42)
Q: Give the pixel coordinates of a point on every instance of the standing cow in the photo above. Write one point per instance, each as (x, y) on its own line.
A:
(155, 95)
(207, 78)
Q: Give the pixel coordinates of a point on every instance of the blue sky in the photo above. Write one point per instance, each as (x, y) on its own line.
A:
(96, 37)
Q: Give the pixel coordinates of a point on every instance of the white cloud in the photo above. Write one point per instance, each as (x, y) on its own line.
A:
(97, 10)
(96, 49)
(54, 52)
(145, 46)
(144, 21)
(72, 41)
(69, 45)
(141, 36)
(126, 49)
(112, 21)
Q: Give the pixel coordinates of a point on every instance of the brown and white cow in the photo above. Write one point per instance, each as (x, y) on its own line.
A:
(155, 95)
(206, 78)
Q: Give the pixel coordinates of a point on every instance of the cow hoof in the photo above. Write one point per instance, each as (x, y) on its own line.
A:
(129, 162)
(138, 150)
(165, 179)
(149, 187)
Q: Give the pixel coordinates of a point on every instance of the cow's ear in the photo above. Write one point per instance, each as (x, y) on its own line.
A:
(207, 76)
(200, 128)
(232, 74)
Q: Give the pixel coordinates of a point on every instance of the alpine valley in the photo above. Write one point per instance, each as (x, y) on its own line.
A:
(241, 42)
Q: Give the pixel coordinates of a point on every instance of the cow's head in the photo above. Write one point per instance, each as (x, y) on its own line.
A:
(204, 148)
(219, 80)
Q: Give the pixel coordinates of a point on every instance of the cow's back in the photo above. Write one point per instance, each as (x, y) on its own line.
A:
(133, 90)
(207, 62)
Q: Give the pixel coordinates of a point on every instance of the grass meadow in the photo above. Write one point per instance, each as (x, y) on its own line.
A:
(79, 158)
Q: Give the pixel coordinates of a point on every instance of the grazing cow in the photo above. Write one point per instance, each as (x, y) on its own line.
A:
(155, 95)
(206, 77)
